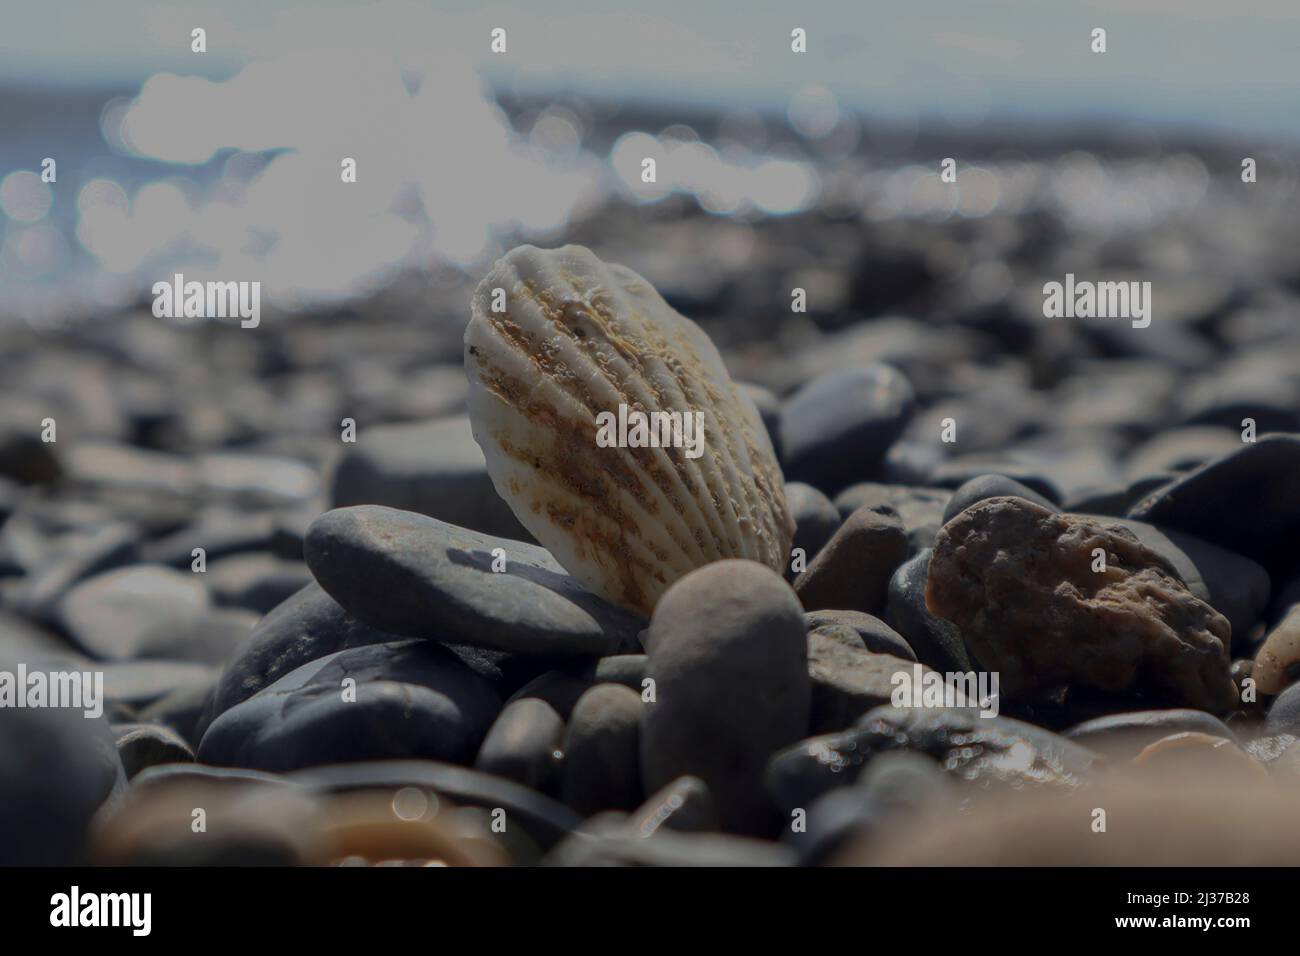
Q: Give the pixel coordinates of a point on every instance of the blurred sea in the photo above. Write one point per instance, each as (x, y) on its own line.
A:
(226, 165)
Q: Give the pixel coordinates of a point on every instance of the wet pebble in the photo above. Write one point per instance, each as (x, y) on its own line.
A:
(405, 699)
(935, 641)
(874, 634)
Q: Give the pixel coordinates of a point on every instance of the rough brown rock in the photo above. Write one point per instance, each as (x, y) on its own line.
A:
(1018, 581)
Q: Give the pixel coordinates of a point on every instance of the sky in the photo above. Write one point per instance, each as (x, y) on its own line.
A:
(1209, 63)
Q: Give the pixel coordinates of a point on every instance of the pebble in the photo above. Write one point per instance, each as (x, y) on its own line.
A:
(524, 744)
(728, 655)
(138, 684)
(1180, 449)
(875, 635)
(1277, 659)
(417, 576)
(546, 820)
(935, 641)
(219, 531)
(410, 698)
(1192, 754)
(836, 429)
(685, 805)
(144, 745)
(307, 626)
(132, 612)
(601, 751)
(1216, 823)
(108, 547)
(1125, 735)
(558, 688)
(258, 582)
(1234, 585)
(847, 679)
(250, 821)
(1017, 581)
(852, 571)
(1284, 715)
(433, 468)
(815, 518)
(57, 767)
(920, 508)
(956, 472)
(991, 486)
(1247, 501)
(988, 751)
(891, 787)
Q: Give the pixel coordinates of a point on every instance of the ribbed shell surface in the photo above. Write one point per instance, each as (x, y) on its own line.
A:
(578, 337)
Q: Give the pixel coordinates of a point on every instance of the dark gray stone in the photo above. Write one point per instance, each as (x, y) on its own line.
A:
(852, 572)
(728, 654)
(815, 517)
(433, 468)
(935, 641)
(524, 744)
(420, 577)
(411, 699)
(836, 429)
(1247, 501)
(991, 486)
(601, 751)
(876, 636)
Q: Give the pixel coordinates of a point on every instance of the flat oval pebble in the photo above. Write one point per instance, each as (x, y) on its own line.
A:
(134, 611)
(412, 575)
(578, 339)
(1018, 582)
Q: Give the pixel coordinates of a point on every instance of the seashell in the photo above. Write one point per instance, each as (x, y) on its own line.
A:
(572, 338)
